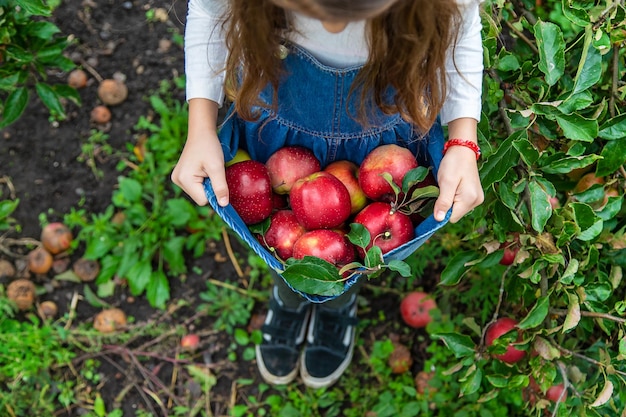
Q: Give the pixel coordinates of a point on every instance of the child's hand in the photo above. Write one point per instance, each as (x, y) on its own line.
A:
(202, 155)
(459, 184)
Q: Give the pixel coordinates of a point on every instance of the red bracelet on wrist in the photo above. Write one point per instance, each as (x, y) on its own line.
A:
(462, 142)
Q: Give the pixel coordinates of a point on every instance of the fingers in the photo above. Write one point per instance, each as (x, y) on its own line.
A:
(220, 188)
(462, 196)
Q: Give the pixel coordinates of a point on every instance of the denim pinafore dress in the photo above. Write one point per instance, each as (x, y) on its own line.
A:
(316, 111)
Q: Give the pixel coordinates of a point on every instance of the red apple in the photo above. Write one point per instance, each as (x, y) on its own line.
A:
(190, 342)
(415, 309)
(393, 159)
(279, 201)
(289, 164)
(320, 201)
(498, 328)
(554, 393)
(388, 228)
(250, 191)
(326, 244)
(510, 250)
(347, 173)
(283, 232)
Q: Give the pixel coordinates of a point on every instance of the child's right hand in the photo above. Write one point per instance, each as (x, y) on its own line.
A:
(202, 155)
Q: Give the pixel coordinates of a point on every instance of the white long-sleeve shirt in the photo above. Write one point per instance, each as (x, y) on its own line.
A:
(206, 53)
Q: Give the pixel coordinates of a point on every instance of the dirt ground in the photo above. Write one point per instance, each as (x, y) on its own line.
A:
(39, 164)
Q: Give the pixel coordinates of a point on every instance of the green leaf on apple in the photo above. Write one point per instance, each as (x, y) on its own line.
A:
(413, 177)
(313, 275)
(373, 257)
(387, 176)
(261, 227)
(359, 235)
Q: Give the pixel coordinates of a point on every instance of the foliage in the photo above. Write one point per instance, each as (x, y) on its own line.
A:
(31, 355)
(553, 112)
(143, 236)
(29, 47)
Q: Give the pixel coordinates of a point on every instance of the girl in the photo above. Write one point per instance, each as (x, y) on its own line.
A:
(340, 77)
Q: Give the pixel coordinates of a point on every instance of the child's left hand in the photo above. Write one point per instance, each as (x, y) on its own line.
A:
(459, 184)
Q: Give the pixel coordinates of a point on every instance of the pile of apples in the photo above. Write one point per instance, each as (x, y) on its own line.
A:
(310, 209)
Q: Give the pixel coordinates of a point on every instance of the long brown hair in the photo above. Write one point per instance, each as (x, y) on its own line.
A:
(408, 44)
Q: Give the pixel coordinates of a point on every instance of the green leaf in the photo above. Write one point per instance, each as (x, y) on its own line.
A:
(373, 257)
(568, 164)
(34, 7)
(460, 344)
(614, 128)
(472, 384)
(130, 189)
(590, 66)
(400, 267)
(527, 151)
(7, 207)
(312, 275)
(43, 30)
(576, 127)
(589, 224)
(613, 157)
(574, 14)
(456, 268)
(14, 106)
(359, 235)
(551, 50)
(502, 161)
(158, 291)
(178, 211)
(387, 176)
(138, 276)
(8, 82)
(536, 315)
(174, 256)
(540, 205)
(414, 176)
(50, 99)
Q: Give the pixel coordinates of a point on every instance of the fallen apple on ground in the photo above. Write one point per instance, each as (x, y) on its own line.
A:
(415, 309)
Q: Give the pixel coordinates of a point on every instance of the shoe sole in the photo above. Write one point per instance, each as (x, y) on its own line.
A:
(273, 379)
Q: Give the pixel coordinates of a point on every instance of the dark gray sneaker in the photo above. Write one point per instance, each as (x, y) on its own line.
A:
(330, 344)
(283, 334)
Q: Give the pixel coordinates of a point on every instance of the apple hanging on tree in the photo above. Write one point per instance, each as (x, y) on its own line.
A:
(500, 327)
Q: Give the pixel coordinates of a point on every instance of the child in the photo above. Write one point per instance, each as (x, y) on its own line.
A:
(340, 77)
